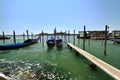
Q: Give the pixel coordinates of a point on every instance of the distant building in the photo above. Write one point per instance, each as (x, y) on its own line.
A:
(98, 35)
(60, 33)
(116, 33)
(81, 34)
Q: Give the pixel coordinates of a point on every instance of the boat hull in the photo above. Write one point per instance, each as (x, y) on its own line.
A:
(59, 43)
(50, 43)
(18, 45)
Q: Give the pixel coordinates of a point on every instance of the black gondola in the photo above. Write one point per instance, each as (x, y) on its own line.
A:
(51, 42)
(5, 37)
(18, 44)
(59, 42)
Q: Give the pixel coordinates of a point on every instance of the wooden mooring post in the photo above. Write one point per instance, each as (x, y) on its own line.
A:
(55, 36)
(84, 38)
(65, 37)
(78, 38)
(14, 36)
(31, 35)
(3, 37)
(27, 34)
(74, 37)
(42, 38)
(68, 36)
(47, 36)
(105, 44)
(62, 35)
(23, 36)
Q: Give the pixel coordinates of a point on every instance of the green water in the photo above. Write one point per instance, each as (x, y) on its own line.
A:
(59, 64)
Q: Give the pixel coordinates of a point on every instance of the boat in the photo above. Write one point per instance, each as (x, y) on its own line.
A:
(18, 44)
(51, 42)
(4, 37)
(117, 40)
(59, 42)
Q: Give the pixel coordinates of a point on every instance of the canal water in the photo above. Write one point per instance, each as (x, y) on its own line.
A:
(37, 62)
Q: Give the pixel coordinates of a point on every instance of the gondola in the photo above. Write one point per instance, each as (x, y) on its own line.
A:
(18, 44)
(59, 42)
(5, 37)
(51, 42)
(117, 40)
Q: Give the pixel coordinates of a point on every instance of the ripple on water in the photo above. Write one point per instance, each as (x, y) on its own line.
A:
(21, 70)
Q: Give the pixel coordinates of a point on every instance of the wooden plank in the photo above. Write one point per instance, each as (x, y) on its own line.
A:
(112, 71)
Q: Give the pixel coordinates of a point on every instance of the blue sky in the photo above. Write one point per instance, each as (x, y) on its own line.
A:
(38, 15)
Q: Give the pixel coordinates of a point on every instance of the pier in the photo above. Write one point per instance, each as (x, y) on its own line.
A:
(112, 71)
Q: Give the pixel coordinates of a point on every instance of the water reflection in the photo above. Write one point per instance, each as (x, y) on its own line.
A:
(59, 48)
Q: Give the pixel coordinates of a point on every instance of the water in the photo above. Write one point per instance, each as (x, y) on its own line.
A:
(38, 62)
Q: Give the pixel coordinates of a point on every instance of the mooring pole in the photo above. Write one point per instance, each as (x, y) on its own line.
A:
(23, 36)
(89, 38)
(3, 37)
(62, 34)
(27, 34)
(31, 35)
(47, 36)
(105, 40)
(14, 37)
(42, 38)
(74, 37)
(84, 38)
(78, 39)
(68, 36)
(64, 37)
(55, 36)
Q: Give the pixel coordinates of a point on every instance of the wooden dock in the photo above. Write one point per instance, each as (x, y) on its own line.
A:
(112, 71)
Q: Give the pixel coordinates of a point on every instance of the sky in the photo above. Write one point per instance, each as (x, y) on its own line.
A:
(64, 15)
